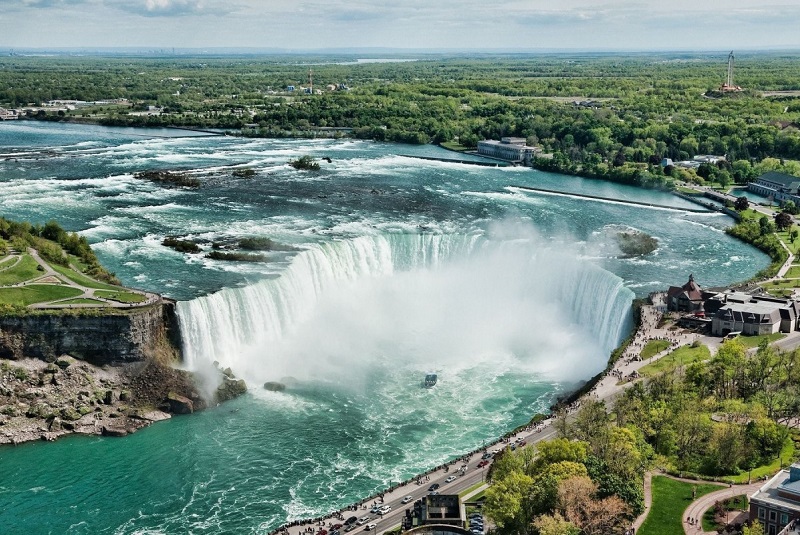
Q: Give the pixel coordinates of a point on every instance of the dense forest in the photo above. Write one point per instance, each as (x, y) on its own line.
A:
(608, 116)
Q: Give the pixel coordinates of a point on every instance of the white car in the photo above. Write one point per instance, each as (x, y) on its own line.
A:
(406, 499)
(450, 479)
(370, 527)
(385, 509)
(363, 520)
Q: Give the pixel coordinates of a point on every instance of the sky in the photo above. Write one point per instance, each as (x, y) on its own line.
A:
(403, 24)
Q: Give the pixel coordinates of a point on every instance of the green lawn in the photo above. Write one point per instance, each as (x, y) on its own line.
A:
(781, 284)
(452, 145)
(122, 297)
(82, 279)
(470, 489)
(5, 262)
(785, 458)
(36, 293)
(83, 301)
(25, 270)
(794, 272)
(754, 341)
(682, 356)
(670, 499)
(653, 347)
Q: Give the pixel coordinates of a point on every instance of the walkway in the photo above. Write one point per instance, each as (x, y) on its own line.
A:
(698, 507)
(53, 277)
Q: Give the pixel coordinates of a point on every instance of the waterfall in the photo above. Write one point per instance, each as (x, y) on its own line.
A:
(450, 292)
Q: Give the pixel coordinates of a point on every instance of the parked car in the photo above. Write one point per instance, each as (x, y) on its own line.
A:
(406, 499)
(370, 527)
(482, 464)
(486, 455)
(385, 509)
(375, 509)
(433, 493)
(434, 486)
(350, 520)
(450, 479)
(363, 520)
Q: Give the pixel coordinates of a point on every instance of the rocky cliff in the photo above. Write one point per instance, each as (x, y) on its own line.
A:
(119, 337)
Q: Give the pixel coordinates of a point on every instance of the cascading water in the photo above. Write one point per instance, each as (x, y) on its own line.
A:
(426, 299)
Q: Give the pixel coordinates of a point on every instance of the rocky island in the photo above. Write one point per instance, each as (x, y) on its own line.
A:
(80, 353)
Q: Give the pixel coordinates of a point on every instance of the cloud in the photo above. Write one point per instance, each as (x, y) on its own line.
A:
(167, 8)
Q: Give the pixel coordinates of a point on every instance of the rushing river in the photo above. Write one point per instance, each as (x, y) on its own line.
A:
(395, 267)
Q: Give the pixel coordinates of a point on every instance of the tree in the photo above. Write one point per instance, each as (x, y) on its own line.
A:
(783, 221)
(741, 203)
(555, 524)
(754, 529)
(578, 502)
(505, 502)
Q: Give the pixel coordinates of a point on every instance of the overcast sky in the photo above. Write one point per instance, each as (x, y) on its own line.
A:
(434, 24)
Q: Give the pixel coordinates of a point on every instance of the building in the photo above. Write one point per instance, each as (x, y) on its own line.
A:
(686, 298)
(513, 149)
(8, 115)
(777, 503)
(779, 186)
(752, 314)
(443, 509)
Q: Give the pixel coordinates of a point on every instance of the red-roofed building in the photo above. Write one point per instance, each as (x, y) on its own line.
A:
(686, 298)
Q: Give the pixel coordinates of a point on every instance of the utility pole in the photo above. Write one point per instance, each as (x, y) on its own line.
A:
(311, 79)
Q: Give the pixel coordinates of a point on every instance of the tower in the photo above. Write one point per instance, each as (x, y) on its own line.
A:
(311, 80)
(730, 70)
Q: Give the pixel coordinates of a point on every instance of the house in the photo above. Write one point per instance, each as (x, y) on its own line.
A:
(777, 502)
(686, 298)
(779, 186)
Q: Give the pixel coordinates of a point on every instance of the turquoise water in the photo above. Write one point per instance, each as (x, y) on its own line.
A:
(402, 267)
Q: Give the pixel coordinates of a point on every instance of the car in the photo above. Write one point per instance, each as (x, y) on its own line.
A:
(434, 486)
(370, 527)
(482, 464)
(406, 499)
(375, 509)
(350, 527)
(363, 520)
(385, 509)
(523, 443)
(334, 532)
(433, 493)
(476, 515)
(336, 526)
(351, 520)
(476, 523)
(476, 530)
(486, 455)
(450, 479)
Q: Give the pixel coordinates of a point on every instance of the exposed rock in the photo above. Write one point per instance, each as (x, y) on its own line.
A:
(114, 431)
(70, 414)
(64, 361)
(179, 404)
(125, 396)
(274, 386)
(230, 388)
(108, 397)
(52, 368)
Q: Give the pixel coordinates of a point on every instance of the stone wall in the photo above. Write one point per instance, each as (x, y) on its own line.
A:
(115, 338)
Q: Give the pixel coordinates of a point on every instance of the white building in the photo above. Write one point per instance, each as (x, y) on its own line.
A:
(513, 149)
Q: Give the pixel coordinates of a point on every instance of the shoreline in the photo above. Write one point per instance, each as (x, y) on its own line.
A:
(620, 373)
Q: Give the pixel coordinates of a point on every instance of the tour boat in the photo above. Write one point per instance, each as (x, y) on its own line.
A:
(430, 380)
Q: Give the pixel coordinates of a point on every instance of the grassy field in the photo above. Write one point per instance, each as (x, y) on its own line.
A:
(653, 347)
(784, 237)
(754, 341)
(7, 261)
(680, 357)
(120, 296)
(82, 279)
(83, 301)
(670, 499)
(785, 458)
(36, 293)
(794, 272)
(25, 270)
(452, 145)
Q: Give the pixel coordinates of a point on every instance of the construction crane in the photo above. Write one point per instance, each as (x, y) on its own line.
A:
(728, 85)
